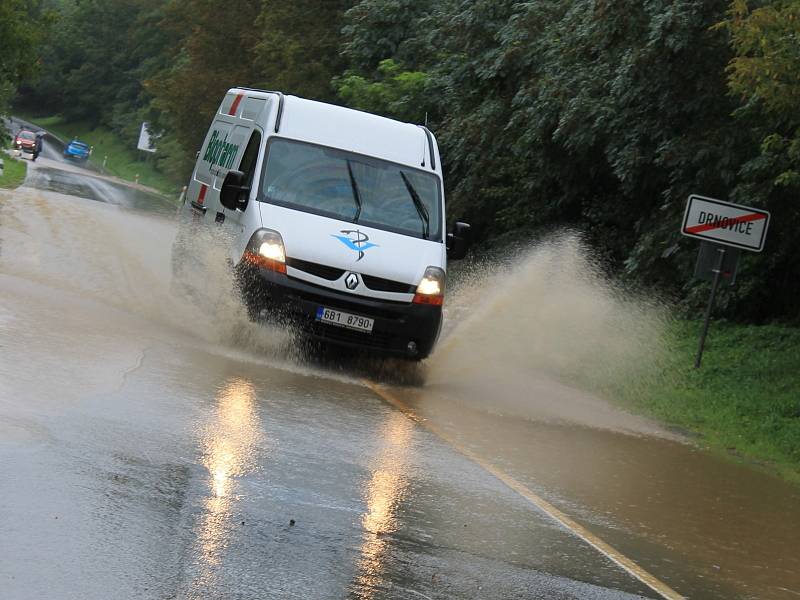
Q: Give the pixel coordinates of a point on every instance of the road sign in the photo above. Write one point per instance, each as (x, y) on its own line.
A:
(146, 139)
(725, 223)
(706, 265)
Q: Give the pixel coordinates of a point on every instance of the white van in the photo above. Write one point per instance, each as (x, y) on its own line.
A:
(336, 216)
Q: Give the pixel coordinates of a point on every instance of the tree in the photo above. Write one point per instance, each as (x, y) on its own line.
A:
(377, 30)
(764, 73)
(21, 29)
(298, 51)
(209, 52)
(292, 48)
(764, 77)
(599, 115)
(95, 61)
(398, 93)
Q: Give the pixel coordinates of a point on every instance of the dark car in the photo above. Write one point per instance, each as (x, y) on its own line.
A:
(77, 150)
(28, 141)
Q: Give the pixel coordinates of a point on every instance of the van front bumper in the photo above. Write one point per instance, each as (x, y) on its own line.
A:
(400, 329)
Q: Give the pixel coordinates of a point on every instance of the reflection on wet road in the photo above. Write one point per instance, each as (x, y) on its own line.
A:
(231, 442)
(149, 450)
(383, 494)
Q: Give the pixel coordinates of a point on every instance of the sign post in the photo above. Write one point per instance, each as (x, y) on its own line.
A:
(725, 228)
(707, 319)
(707, 263)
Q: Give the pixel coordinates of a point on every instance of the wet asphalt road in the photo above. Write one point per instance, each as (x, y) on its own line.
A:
(155, 488)
(153, 448)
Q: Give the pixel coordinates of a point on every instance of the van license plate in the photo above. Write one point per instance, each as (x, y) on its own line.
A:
(343, 319)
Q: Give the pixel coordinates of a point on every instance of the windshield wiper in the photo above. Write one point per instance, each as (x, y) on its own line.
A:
(356, 195)
(421, 210)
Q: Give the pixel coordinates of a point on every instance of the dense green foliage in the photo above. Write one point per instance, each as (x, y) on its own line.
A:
(765, 74)
(21, 23)
(594, 114)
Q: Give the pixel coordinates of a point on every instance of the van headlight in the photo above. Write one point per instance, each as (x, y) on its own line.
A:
(265, 249)
(431, 287)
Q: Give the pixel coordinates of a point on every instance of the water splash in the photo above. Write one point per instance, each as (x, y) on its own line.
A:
(540, 333)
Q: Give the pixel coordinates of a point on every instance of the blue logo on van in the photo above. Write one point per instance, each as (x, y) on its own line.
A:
(358, 244)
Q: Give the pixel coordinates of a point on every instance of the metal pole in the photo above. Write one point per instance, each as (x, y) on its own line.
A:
(707, 319)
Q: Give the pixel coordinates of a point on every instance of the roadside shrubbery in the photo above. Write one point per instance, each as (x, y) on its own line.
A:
(14, 172)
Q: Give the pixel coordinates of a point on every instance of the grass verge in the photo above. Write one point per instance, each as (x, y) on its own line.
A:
(744, 400)
(14, 172)
(120, 160)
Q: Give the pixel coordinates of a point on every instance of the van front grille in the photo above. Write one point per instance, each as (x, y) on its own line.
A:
(387, 285)
(323, 271)
(376, 284)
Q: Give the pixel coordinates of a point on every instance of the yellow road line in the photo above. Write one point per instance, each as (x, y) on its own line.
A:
(551, 511)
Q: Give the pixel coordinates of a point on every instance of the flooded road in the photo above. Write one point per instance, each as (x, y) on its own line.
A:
(153, 447)
(52, 172)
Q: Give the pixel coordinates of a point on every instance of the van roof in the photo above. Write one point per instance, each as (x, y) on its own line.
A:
(354, 130)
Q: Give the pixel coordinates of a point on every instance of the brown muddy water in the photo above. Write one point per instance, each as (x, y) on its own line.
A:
(708, 527)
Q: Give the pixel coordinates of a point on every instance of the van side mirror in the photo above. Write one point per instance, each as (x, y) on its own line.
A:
(458, 241)
(233, 194)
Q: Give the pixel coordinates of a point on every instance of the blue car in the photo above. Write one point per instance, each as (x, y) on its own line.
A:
(77, 150)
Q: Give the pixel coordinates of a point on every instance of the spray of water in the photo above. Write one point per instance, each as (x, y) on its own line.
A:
(132, 262)
(544, 334)
(203, 278)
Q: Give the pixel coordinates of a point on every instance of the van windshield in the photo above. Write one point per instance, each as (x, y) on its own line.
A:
(351, 187)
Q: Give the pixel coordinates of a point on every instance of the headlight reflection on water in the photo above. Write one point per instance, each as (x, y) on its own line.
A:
(383, 494)
(231, 444)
